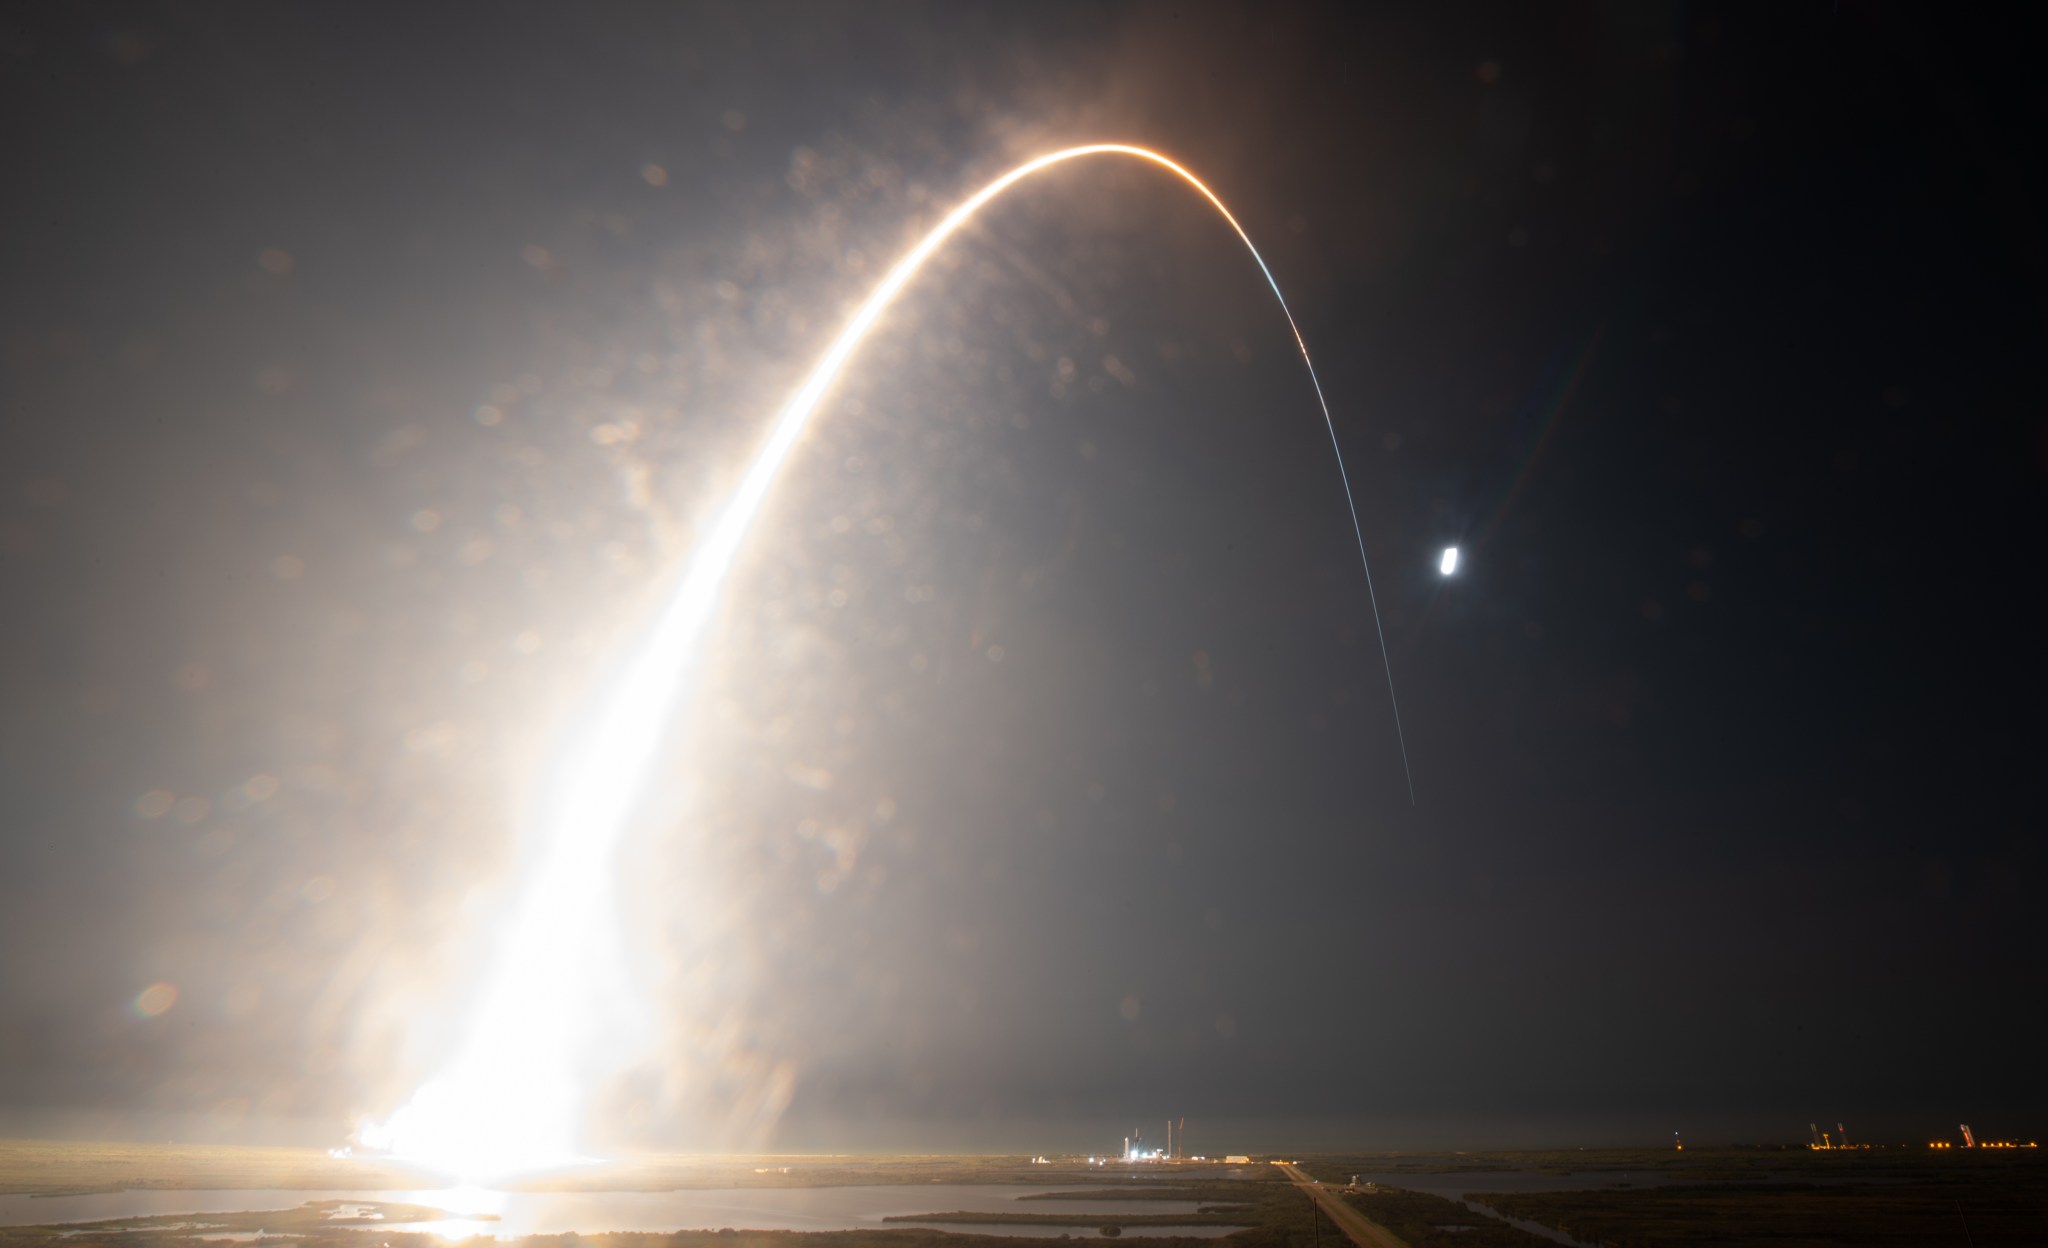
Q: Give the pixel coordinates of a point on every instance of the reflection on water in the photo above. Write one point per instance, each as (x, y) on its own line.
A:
(509, 1214)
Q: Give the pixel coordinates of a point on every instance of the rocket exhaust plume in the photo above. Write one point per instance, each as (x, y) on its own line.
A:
(511, 1101)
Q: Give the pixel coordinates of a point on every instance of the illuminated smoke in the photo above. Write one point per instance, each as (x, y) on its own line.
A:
(513, 1098)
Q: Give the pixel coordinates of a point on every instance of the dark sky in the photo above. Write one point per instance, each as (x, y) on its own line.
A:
(368, 370)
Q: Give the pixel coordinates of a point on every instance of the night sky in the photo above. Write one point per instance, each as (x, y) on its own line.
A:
(369, 371)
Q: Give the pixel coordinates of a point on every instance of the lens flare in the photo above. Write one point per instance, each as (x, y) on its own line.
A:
(554, 1015)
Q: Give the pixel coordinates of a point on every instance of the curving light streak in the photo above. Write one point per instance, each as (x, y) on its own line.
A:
(512, 1099)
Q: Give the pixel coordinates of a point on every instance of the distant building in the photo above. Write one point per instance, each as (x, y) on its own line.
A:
(1237, 1159)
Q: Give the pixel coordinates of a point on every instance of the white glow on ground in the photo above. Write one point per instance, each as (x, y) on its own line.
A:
(555, 1014)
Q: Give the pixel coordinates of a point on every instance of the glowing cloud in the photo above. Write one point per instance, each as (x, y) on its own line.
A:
(553, 1008)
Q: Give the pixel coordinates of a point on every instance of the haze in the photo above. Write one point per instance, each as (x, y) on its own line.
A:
(366, 379)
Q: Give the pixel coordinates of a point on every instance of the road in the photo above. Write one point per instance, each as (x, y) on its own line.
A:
(1356, 1226)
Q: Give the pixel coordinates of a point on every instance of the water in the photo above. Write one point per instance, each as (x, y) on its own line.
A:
(509, 1214)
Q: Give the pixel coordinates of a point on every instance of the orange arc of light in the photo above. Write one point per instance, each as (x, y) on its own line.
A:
(797, 413)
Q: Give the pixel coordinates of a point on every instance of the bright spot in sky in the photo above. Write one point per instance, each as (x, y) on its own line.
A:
(1449, 563)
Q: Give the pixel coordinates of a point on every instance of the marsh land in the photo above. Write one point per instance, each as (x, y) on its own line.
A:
(178, 1197)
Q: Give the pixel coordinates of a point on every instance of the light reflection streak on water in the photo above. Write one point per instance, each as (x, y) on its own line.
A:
(513, 1098)
(479, 1210)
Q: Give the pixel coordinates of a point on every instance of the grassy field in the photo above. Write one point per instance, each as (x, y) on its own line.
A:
(1426, 1221)
(1797, 1215)
(1794, 1197)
